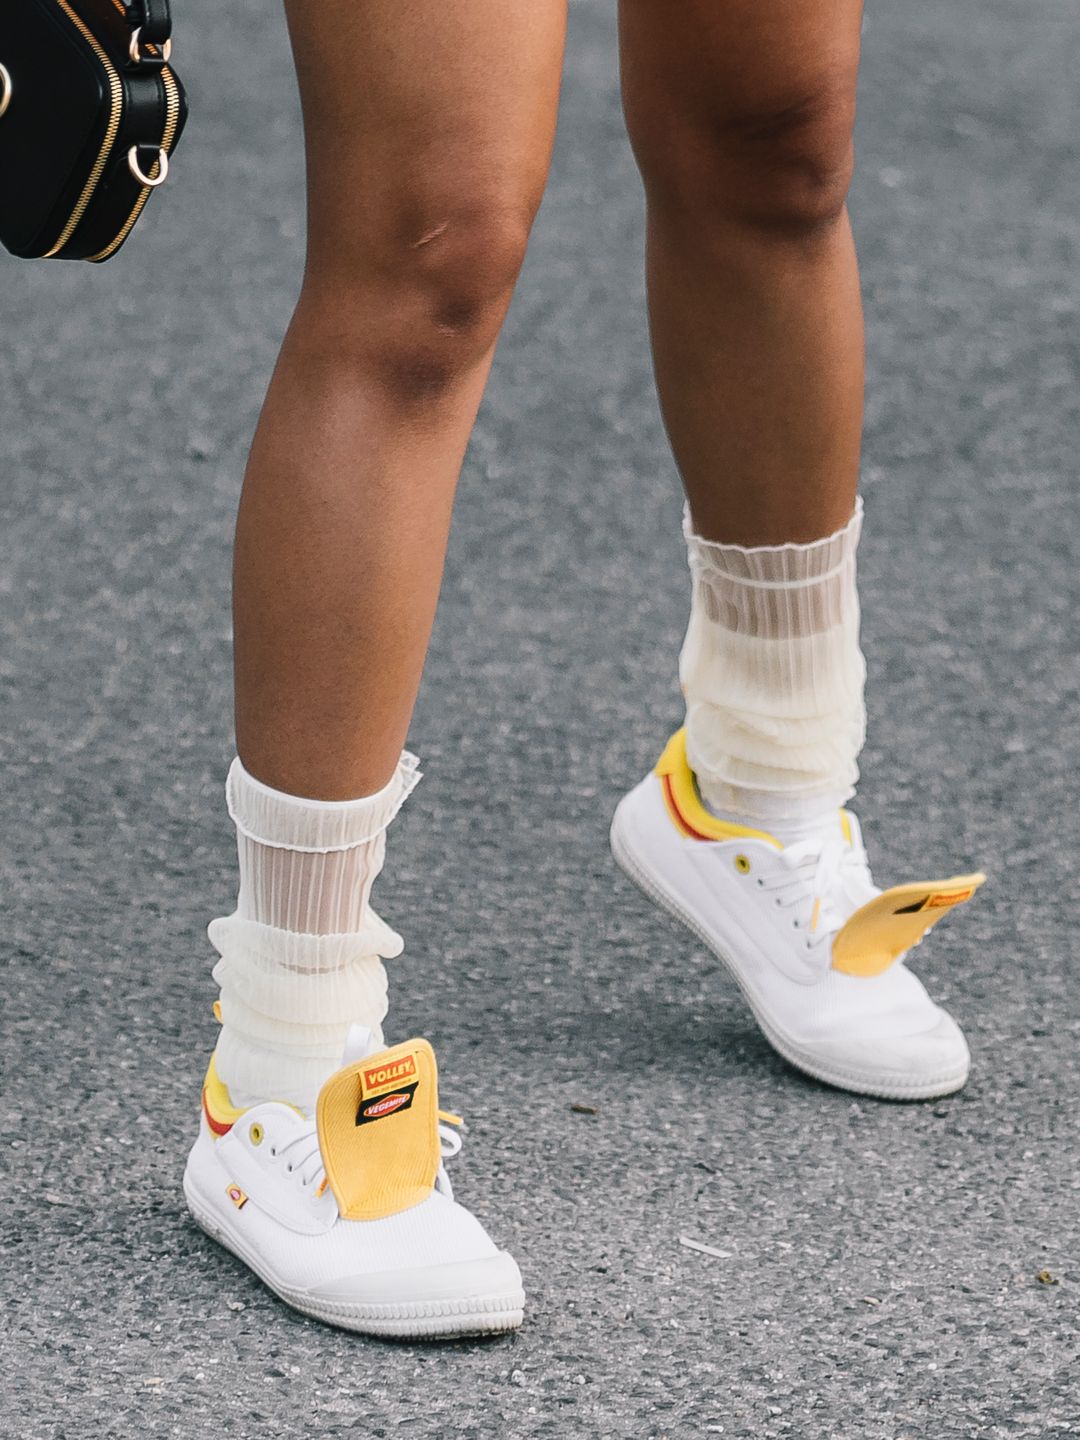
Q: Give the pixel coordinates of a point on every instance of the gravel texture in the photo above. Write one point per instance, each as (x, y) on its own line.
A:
(879, 1269)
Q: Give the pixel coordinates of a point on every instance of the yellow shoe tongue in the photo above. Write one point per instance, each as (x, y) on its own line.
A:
(892, 922)
(378, 1122)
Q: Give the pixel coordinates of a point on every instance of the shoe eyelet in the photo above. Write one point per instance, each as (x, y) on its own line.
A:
(256, 1134)
(288, 1169)
(742, 864)
(795, 923)
(760, 881)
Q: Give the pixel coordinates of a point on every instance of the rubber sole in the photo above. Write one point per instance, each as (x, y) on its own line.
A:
(444, 1319)
(635, 867)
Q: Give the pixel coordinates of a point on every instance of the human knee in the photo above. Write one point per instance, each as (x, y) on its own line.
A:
(779, 159)
(417, 294)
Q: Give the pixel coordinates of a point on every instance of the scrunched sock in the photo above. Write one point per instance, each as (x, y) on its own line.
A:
(773, 676)
(301, 955)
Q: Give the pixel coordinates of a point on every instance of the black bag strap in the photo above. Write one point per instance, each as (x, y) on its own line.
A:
(151, 18)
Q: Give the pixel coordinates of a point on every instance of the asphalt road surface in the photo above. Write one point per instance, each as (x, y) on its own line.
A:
(879, 1270)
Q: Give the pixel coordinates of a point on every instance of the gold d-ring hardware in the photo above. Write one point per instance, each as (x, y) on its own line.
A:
(135, 49)
(6, 90)
(136, 170)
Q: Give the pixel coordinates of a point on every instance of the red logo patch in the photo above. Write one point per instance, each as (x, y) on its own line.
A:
(938, 902)
(385, 1106)
(377, 1107)
(391, 1074)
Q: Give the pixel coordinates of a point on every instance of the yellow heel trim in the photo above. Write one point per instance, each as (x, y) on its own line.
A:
(892, 922)
(684, 805)
(221, 1114)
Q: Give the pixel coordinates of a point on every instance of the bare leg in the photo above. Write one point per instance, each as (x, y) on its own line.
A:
(429, 131)
(741, 117)
(429, 128)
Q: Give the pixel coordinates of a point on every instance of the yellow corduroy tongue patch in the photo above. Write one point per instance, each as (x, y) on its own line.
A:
(379, 1131)
(892, 922)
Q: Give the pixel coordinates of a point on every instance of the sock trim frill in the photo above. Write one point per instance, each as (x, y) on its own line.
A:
(317, 827)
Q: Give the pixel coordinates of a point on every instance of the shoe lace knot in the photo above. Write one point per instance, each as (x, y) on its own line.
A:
(303, 1157)
(810, 882)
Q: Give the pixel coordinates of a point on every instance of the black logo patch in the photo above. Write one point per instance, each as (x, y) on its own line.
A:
(377, 1107)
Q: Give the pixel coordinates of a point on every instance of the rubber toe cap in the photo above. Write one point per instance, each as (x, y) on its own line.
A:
(931, 1061)
(459, 1280)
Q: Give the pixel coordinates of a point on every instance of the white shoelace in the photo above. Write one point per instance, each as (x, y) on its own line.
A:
(303, 1157)
(810, 878)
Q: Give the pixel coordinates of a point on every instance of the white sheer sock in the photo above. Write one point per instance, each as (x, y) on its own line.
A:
(301, 955)
(773, 675)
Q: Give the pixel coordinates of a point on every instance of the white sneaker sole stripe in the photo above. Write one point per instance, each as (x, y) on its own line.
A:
(413, 1320)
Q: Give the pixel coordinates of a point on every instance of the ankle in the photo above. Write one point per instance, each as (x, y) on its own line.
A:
(788, 819)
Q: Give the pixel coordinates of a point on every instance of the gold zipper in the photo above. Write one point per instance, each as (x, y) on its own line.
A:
(172, 119)
(116, 96)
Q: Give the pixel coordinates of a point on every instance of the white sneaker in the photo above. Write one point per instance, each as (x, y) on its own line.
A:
(350, 1217)
(816, 947)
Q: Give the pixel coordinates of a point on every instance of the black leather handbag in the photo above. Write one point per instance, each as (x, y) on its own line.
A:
(90, 111)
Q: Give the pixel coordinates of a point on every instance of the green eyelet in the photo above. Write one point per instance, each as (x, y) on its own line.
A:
(742, 864)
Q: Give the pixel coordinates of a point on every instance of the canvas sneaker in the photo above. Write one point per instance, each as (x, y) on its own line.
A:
(818, 950)
(349, 1216)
